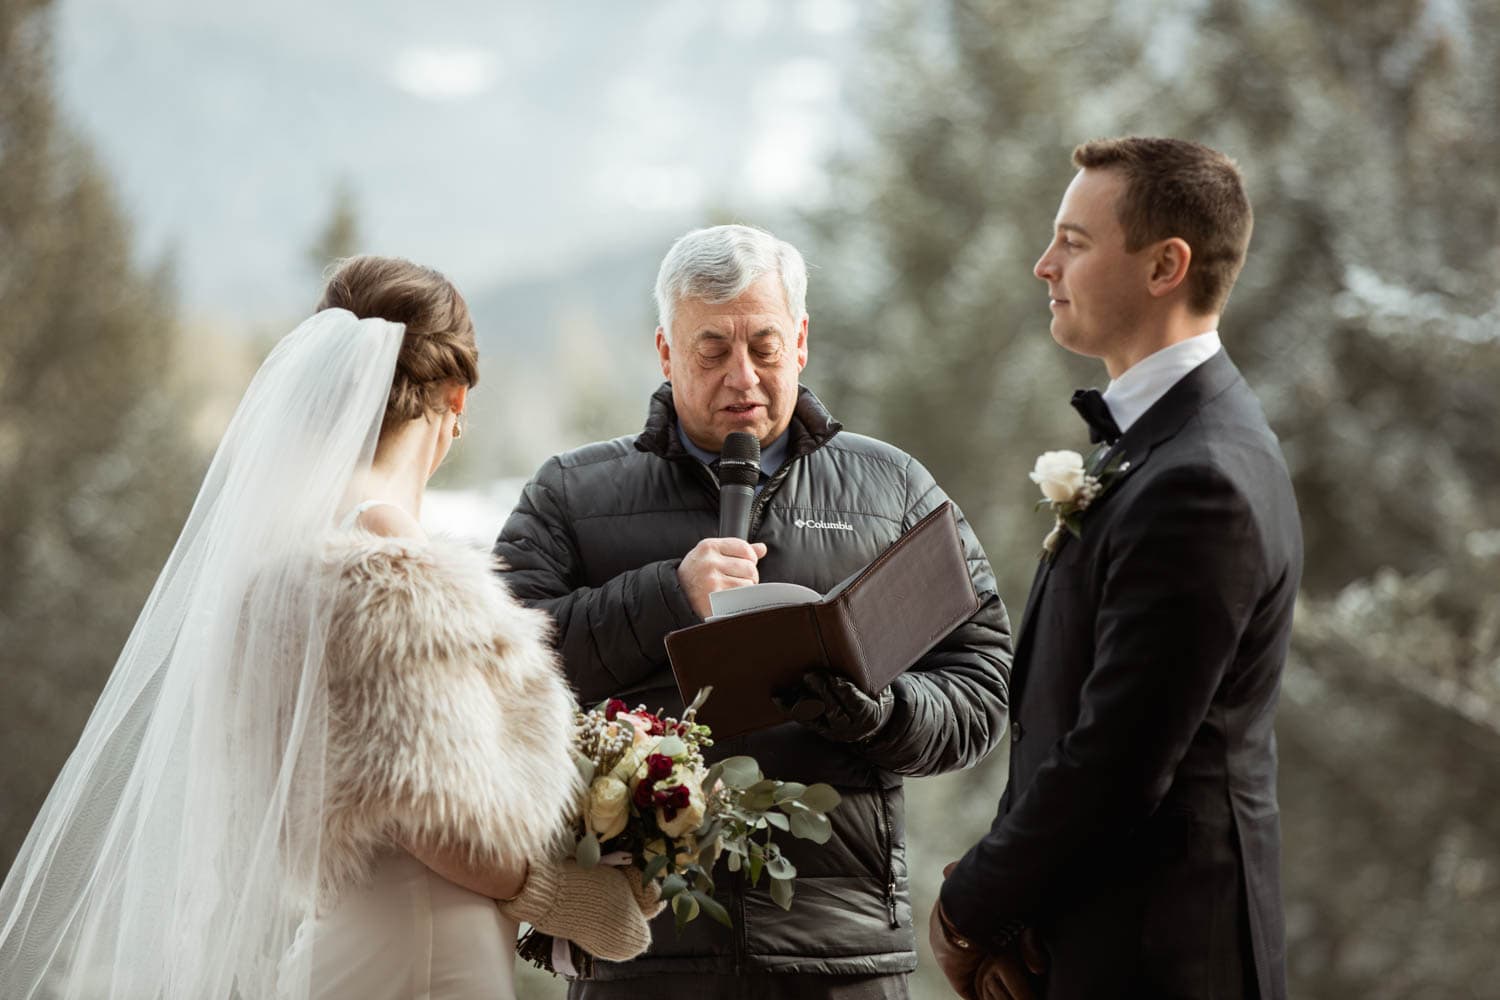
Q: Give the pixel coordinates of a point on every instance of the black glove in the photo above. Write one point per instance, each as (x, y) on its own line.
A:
(831, 705)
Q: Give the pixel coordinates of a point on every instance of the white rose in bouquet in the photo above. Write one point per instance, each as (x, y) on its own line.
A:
(608, 807)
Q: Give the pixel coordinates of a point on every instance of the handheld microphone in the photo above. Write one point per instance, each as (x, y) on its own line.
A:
(739, 472)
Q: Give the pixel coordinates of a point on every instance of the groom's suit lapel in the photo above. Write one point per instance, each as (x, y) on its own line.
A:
(1156, 426)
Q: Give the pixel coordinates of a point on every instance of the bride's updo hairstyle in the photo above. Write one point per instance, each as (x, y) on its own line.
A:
(439, 347)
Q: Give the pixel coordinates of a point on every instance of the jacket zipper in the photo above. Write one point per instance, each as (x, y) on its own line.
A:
(890, 867)
(758, 505)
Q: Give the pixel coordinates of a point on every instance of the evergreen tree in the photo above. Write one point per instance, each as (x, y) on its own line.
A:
(93, 471)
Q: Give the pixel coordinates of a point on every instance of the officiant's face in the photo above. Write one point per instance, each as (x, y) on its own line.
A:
(1098, 290)
(734, 366)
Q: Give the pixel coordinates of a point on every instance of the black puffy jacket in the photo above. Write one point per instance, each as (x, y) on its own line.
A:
(596, 540)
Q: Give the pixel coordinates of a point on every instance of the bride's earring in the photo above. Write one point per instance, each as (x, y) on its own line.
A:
(458, 425)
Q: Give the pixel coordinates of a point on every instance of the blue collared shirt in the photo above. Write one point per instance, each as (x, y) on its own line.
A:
(771, 456)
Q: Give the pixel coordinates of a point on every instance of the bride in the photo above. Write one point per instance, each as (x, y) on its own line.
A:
(333, 758)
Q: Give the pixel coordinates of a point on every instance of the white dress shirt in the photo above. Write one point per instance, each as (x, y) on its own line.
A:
(1148, 380)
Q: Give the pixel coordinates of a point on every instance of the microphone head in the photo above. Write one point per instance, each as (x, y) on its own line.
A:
(739, 460)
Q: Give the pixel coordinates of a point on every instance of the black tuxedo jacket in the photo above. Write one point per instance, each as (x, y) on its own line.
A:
(1139, 831)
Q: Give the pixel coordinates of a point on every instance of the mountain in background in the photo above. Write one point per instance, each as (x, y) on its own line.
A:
(496, 141)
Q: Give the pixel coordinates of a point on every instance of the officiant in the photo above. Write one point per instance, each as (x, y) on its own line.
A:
(617, 540)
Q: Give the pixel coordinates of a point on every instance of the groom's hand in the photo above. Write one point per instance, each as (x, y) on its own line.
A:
(1003, 975)
(835, 707)
(718, 564)
(976, 975)
(957, 957)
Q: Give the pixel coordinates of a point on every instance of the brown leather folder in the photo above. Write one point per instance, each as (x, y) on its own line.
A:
(870, 628)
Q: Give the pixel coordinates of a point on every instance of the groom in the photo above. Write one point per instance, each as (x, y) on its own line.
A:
(1136, 851)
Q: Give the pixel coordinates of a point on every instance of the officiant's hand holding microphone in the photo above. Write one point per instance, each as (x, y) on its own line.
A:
(730, 560)
(718, 564)
(830, 704)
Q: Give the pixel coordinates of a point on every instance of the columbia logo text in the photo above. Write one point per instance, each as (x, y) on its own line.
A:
(824, 525)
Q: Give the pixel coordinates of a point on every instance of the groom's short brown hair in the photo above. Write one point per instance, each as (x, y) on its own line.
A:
(1178, 188)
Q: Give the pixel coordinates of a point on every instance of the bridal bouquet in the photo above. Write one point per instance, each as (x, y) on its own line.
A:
(653, 805)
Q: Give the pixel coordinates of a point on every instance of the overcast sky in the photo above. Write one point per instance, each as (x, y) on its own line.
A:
(493, 140)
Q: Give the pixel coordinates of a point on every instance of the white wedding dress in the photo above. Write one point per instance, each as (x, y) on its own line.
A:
(410, 934)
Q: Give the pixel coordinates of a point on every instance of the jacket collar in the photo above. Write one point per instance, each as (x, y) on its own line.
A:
(1176, 407)
(812, 426)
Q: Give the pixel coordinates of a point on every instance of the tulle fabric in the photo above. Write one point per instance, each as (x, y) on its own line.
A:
(176, 855)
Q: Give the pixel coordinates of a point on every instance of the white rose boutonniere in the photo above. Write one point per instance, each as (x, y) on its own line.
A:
(1060, 475)
(1068, 490)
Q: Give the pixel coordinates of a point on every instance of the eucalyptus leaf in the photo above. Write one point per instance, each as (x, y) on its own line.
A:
(790, 790)
(757, 802)
(713, 908)
(740, 772)
(757, 865)
(763, 785)
(734, 861)
(586, 767)
(812, 826)
(781, 892)
(588, 850)
(699, 699)
(655, 867)
(715, 773)
(821, 798)
(780, 868)
(779, 821)
(684, 909)
(672, 886)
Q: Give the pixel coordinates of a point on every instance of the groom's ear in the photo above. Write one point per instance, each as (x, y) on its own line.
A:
(664, 352)
(1170, 260)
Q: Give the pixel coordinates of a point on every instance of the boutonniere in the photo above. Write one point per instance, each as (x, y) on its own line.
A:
(1069, 490)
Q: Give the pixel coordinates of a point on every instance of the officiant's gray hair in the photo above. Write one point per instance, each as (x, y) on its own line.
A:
(717, 264)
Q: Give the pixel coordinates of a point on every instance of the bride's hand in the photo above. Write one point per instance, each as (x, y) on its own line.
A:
(596, 908)
(647, 896)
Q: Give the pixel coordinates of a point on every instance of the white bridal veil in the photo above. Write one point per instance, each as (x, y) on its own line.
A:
(176, 856)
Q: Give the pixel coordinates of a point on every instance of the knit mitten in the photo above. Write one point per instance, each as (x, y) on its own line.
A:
(647, 896)
(596, 908)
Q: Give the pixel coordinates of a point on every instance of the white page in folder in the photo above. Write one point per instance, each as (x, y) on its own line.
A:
(757, 596)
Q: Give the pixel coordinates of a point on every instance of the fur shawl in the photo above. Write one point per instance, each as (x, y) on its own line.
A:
(448, 718)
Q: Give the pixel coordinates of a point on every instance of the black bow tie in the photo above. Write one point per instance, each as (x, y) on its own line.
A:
(1091, 406)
